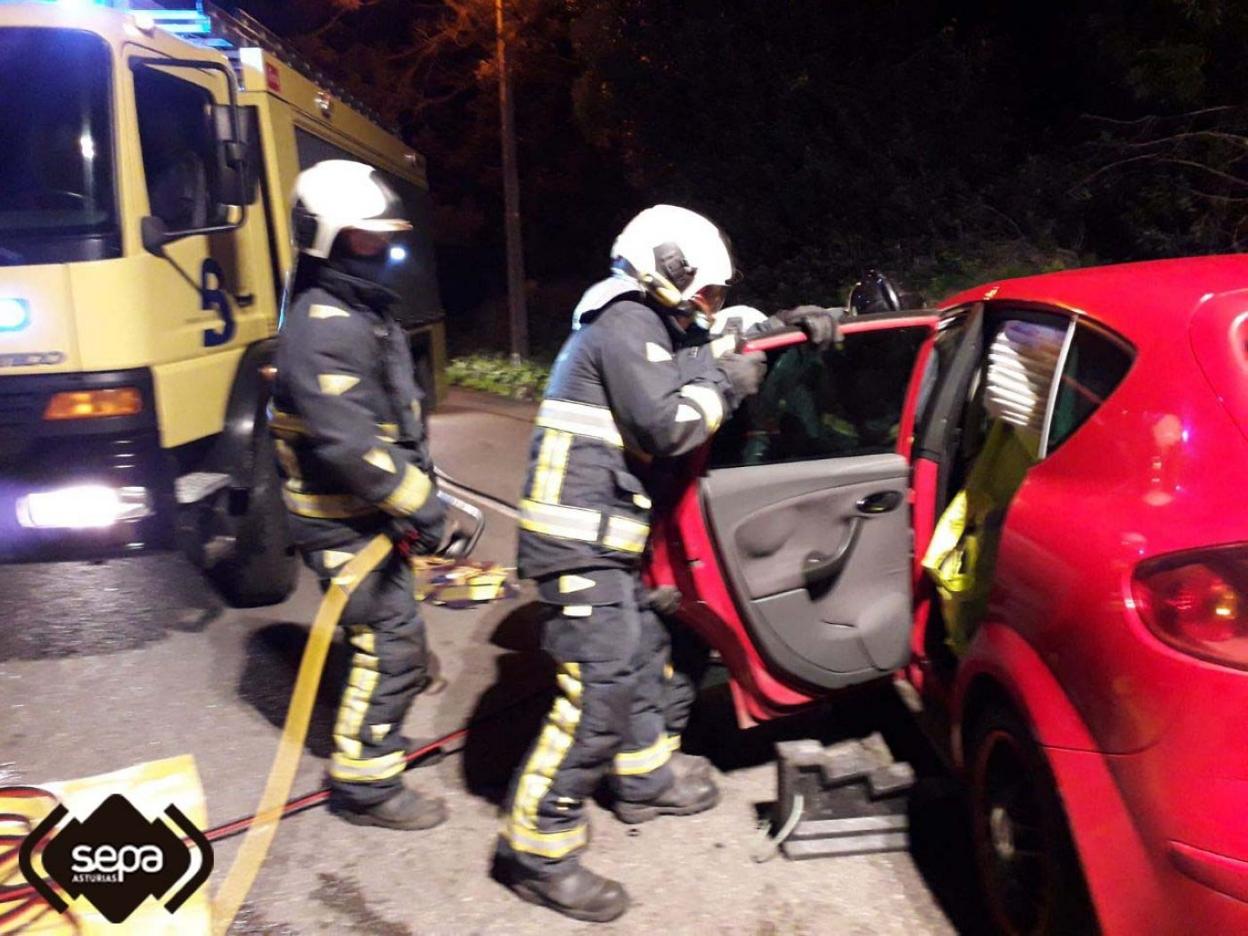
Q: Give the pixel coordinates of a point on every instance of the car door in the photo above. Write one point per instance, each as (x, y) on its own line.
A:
(804, 502)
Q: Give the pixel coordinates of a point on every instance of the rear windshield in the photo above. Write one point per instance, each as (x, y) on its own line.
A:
(1220, 340)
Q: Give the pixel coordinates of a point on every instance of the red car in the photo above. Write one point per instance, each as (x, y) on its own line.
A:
(1093, 700)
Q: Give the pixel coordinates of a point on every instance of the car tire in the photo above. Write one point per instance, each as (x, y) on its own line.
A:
(1025, 857)
(261, 568)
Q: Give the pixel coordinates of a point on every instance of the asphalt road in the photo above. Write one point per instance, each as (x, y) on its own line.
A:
(106, 665)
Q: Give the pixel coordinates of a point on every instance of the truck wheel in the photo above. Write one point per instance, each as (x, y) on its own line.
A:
(1028, 868)
(261, 568)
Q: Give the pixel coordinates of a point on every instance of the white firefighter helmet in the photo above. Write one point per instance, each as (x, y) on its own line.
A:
(337, 194)
(678, 256)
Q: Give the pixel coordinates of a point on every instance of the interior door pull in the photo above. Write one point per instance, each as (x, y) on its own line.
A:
(880, 502)
(820, 570)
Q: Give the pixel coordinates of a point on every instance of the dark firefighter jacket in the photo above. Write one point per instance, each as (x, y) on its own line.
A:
(627, 388)
(346, 414)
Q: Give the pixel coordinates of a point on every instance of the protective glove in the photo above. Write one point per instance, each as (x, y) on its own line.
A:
(745, 372)
(818, 323)
(426, 532)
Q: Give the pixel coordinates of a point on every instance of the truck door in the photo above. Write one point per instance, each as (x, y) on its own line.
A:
(806, 501)
(210, 293)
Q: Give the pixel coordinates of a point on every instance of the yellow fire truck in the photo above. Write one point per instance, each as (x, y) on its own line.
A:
(146, 168)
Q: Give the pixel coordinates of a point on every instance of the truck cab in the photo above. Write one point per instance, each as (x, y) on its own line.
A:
(144, 243)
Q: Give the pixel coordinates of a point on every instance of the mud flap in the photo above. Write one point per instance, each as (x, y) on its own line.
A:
(846, 799)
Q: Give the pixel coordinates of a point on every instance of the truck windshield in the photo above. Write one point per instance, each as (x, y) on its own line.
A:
(57, 200)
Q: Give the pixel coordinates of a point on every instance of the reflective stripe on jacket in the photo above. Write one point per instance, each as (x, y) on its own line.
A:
(624, 391)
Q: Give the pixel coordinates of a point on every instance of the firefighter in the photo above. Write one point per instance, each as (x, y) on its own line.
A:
(346, 416)
(630, 388)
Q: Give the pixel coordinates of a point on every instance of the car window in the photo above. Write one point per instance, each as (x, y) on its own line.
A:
(1095, 365)
(840, 402)
(176, 138)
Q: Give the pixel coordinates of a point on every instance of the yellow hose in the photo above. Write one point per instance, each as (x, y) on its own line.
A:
(251, 853)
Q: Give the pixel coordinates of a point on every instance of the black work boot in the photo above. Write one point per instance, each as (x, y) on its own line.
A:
(406, 810)
(691, 765)
(689, 794)
(580, 893)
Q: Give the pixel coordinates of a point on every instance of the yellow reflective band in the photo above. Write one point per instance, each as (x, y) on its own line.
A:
(415, 407)
(325, 506)
(327, 312)
(380, 458)
(559, 521)
(686, 413)
(668, 671)
(363, 639)
(354, 769)
(336, 384)
(287, 459)
(673, 743)
(569, 681)
(583, 419)
(333, 558)
(389, 431)
(546, 844)
(365, 661)
(574, 583)
(410, 494)
(552, 462)
(539, 771)
(647, 760)
(722, 345)
(348, 746)
(656, 354)
(707, 399)
(626, 535)
(351, 712)
(578, 611)
(379, 732)
(642, 501)
(285, 425)
(364, 680)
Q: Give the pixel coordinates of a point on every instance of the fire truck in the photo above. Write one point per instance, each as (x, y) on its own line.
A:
(146, 172)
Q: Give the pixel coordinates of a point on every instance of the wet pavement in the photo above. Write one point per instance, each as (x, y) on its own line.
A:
(105, 665)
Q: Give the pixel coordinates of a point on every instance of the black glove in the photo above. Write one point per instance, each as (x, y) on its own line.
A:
(425, 532)
(744, 371)
(818, 323)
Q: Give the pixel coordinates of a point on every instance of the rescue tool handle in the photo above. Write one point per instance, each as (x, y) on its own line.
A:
(774, 341)
(471, 511)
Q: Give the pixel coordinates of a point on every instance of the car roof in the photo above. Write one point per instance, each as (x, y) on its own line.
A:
(1134, 299)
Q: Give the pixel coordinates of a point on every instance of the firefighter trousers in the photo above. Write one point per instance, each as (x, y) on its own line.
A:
(389, 666)
(608, 717)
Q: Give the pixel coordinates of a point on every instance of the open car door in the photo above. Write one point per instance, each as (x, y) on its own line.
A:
(793, 546)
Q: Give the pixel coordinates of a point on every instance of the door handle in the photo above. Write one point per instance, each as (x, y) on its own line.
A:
(879, 502)
(820, 570)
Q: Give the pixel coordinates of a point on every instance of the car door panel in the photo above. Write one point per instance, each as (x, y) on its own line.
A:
(829, 632)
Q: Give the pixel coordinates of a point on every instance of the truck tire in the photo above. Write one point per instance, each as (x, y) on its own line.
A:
(1025, 857)
(261, 568)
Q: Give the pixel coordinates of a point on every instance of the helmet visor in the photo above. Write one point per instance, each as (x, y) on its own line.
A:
(710, 298)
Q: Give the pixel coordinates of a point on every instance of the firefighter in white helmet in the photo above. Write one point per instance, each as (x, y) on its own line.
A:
(631, 388)
(346, 414)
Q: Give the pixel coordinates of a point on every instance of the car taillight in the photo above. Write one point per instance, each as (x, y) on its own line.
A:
(1198, 602)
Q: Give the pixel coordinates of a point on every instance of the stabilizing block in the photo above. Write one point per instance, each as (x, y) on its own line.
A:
(846, 799)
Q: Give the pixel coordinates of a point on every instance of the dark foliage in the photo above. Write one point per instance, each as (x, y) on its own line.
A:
(946, 141)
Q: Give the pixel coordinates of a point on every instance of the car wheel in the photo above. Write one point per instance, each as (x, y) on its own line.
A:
(261, 568)
(1026, 860)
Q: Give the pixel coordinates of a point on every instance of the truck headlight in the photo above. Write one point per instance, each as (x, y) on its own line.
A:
(14, 314)
(82, 507)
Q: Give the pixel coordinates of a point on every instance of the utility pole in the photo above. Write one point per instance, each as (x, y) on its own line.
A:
(516, 314)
